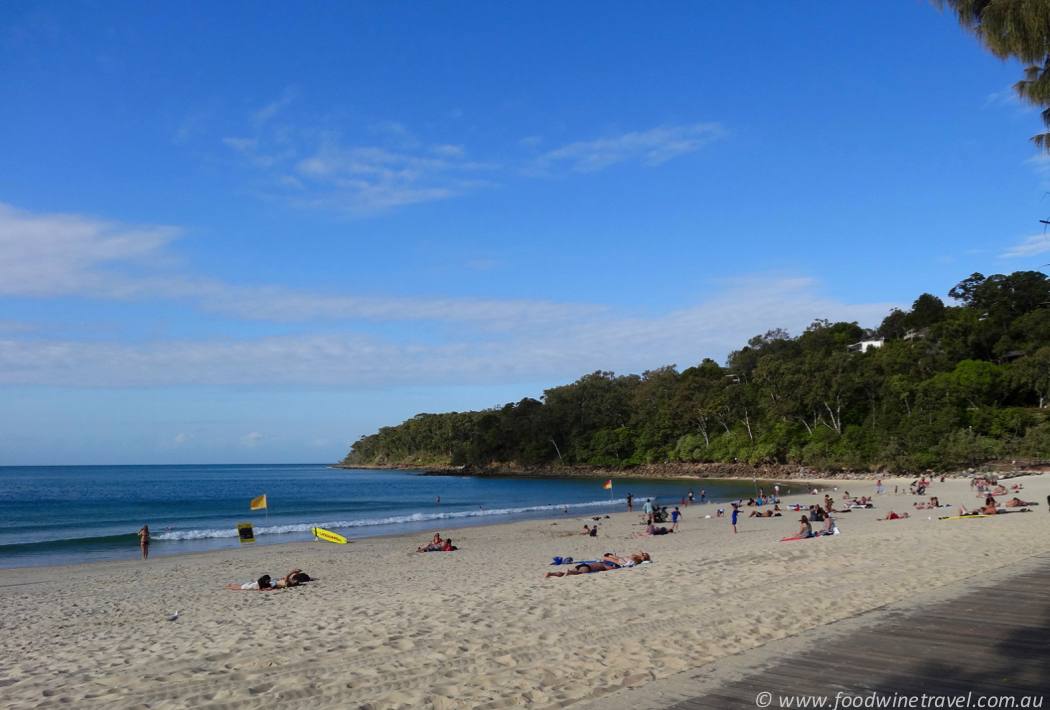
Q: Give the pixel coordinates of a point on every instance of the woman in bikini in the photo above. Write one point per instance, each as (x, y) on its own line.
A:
(582, 568)
(144, 540)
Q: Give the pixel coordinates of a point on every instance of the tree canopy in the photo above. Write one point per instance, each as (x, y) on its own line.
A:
(1014, 29)
(949, 385)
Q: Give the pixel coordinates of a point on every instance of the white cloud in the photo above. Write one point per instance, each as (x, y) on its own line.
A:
(271, 110)
(600, 340)
(493, 341)
(315, 168)
(56, 254)
(183, 438)
(13, 326)
(651, 147)
(252, 440)
(59, 255)
(1029, 247)
(449, 151)
(371, 179)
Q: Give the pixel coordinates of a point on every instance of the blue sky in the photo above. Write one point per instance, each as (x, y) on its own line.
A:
(252, 232)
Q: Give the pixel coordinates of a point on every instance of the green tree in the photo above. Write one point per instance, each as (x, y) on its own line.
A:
(1014, 29)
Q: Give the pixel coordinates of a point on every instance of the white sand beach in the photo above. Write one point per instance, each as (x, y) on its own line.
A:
(388, 628)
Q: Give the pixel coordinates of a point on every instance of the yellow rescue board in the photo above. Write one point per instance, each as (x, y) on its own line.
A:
(327, 535)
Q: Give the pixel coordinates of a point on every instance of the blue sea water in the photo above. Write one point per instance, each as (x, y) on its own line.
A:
(66, 514)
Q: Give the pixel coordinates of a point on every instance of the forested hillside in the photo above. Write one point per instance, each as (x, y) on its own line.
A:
(949, 385)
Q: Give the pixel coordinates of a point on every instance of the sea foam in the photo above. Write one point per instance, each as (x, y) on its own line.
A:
(368, 522)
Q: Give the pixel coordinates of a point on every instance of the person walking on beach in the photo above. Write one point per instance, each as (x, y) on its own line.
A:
(648, 509)
(691, 501)
(674, 519)
(630, 503)
(144, 540)
(736, 512)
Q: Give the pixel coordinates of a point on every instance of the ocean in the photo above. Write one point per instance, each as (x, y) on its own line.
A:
(67, 514)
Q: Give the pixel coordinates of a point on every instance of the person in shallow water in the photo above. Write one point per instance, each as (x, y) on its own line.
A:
(144, 541)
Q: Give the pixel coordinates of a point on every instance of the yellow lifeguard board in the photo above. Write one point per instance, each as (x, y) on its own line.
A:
(245, 534)
(327, 535)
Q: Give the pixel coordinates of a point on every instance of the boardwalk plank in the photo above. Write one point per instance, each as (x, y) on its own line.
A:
(991, 642)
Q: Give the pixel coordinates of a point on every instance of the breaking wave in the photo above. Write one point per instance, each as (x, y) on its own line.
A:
(392, 520)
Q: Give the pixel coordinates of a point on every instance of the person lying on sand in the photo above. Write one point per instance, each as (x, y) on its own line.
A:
(893, 516)
(989, 508)
(766, 514)
(265, 583)
(934, 503)
(653, 530)
(608, 562)
(440, 546)
(582, 568)
(1017, 503)
(615, 561)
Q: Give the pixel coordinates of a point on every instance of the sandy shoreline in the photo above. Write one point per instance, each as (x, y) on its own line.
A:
(478, 628)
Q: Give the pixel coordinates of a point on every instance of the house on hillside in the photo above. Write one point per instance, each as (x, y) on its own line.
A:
(865, 345)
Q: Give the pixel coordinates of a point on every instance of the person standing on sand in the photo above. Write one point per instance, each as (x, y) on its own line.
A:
(630, 503)
(878, 487)
(648, 507)
(736, 512)
(674, 518)
(144, 540)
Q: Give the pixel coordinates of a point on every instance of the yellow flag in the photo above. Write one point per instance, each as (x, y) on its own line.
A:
(259, 503)
(608, 484)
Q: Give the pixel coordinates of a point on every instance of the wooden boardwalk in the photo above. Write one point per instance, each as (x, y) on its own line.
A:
(992, 642)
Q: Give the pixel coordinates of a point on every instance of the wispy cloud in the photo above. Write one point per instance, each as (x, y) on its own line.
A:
(317, 170)
(386, 165)
(54, 255)
(272, 109)
(651, 147)
(57, 254)
(603, 339)
(252, 440)
(1029, 247)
